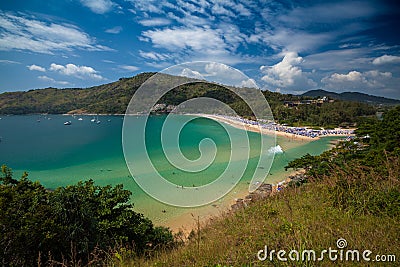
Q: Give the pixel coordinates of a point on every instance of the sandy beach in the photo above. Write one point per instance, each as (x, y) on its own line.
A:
(256, 128)
(253, 128)
(188, 221)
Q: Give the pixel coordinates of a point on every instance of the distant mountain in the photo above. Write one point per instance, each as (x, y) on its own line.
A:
(353, 96)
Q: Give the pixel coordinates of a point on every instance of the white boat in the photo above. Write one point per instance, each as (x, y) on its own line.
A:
(67, 123)
(93, 120)
(80, 119)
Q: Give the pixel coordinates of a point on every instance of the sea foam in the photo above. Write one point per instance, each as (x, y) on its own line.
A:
(275, 150)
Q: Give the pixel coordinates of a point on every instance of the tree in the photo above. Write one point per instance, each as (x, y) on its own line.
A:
(70, 222)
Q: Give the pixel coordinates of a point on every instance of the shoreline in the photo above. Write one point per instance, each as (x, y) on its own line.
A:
(280, 130)
(240, 197)
(187, 220)
(237, 122)
(254, 128)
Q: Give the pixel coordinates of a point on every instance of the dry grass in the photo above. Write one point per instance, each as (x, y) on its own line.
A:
(313, 216)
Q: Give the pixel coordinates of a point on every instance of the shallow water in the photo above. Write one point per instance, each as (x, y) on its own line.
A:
(59, 155)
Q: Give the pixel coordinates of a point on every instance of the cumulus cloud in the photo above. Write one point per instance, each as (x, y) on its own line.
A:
(20, 32)
(51, 80)
(81, 72)
(352, 76)
(386, 59)
(115, 30)
(186, 72)
(287, 73)
(249, 83)
(98, 6)
(357, 80)
(224, 74)
(36, 67)
(217, 69)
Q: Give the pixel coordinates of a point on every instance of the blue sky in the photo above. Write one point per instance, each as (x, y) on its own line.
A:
(285, 46)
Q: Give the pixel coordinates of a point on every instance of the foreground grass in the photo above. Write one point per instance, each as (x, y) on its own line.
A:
(360, 206)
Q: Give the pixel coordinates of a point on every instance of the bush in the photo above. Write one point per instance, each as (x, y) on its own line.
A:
(70, 223)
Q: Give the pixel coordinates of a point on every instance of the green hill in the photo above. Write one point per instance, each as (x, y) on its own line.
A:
(352, 96)
(108, 98)
(113, 98)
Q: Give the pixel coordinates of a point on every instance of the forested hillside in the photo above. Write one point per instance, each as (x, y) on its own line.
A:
(114, 97)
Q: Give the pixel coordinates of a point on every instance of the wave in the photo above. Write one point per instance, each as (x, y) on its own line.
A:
(275, 150)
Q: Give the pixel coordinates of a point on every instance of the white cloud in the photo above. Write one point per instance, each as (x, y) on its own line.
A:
(352, 76)
(221, 10)
(287, 73)
(18, 32)
(129, 68)
(372, 79)
(216, 69)
(188, 19)
(224, 74)
(51, 80)
(158, 64)
(81, 72)
(154, 55)
(198, 43)
(115, 30)
(98, 6)
(386, 59)
(286, 39)
(197, 38)
(153, 6)
(249, 83)
(5, 61)
(238, 8)
(186, 72)
(155, 22)
(36, 67)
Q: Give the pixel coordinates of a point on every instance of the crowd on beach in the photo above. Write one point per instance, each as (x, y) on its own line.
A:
(301, 131)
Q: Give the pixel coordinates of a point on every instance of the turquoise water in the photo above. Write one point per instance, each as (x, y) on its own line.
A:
(59, 155)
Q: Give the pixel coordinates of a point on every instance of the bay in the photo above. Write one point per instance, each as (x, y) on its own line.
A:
(59, 155)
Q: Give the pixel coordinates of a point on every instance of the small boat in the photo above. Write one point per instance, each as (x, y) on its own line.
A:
(93, 120)
(97, 121)
(67, 123)
(80, 119)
